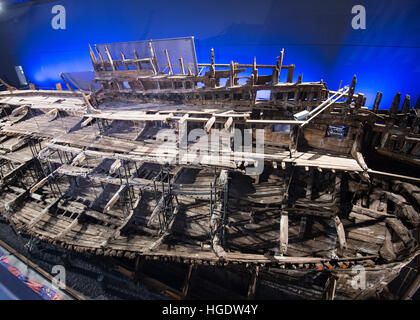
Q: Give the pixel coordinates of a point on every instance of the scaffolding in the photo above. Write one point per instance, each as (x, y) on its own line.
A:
(218, 209)
(165, 208)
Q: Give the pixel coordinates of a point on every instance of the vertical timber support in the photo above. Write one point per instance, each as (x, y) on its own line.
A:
(280, 63)
(406, 105)
(253, 283)
(181, 65)
(93, 58)
(168, 61)
(309, 189)
(395, 104)
(338, 224)
(284, 232)
(218, 212)
(330, 288)
(290, 73)
(187, 283)
(152, 58)
(212, 69)
(351, 90)
(109, 58)
(378, 98)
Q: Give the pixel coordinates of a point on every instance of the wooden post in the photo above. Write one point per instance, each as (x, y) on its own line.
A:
(185, 289)
(253, 283)
(280, 62)
(101, 59)
(406, 105)
(277, 68)
(290, 73)
(309, 185)
(92, 56)
(284, 232)
(228, 123)
(169, 63)
(395, 104)
(330, 287)
(58, 86)
(152, 58)
(109, 58)
(309, 189)
(255, 71)
(212, 66)
(123, 59)
(360, 100)
(181, 65)
(232, 74)
(378, 98)
(136, 56)
(190, 73)
(275, 76)
(351, 89)
(65, 81)
(209, 124)
(293, 134)
(302, 226)
(340, 232)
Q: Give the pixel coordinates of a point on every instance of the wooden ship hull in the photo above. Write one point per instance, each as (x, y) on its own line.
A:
(338, 191)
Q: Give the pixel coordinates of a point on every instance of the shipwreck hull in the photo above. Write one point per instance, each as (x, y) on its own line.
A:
(93, 172)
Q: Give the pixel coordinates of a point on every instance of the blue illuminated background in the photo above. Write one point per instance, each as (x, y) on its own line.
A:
(317, 37)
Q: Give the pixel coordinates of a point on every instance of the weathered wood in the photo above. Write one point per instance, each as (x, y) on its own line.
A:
(228, 123)
(67, 230)
(355, 152)
(87, 121)
(15, 172)
(111, 62)
(253, 283)
(330, 288)
(43, 181)
(340, 232)
(115, 198)
(209, 124)
(78, 159)
(115, 166)
(284, 232)
(186, 287)
(42, 214)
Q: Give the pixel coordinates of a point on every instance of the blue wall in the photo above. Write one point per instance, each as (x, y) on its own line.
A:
(317, 37)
